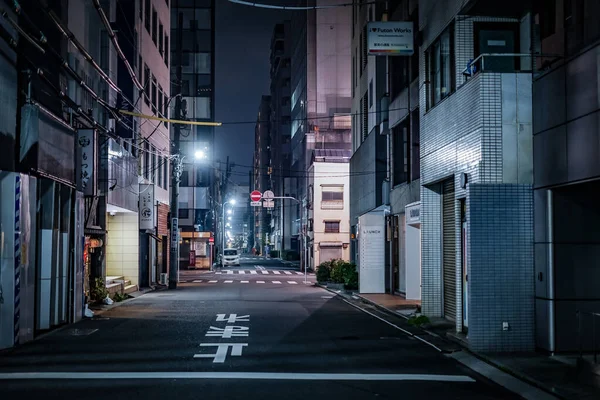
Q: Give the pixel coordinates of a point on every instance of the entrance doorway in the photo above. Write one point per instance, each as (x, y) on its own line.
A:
(449, 249)
(465, 274)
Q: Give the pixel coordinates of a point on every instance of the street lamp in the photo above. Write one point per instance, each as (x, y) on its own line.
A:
(232, 202)
(229, 211)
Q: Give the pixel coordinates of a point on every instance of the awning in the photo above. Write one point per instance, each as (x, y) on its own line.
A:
(331, 244)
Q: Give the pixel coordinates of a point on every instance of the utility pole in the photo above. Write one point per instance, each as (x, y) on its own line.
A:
(176, 166)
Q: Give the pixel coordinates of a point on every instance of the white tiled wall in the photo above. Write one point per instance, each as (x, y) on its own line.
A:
(122, 246)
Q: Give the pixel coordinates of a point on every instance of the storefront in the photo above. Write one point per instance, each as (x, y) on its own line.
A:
(196, 249)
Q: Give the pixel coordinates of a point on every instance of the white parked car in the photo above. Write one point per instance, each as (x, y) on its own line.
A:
(231, 257)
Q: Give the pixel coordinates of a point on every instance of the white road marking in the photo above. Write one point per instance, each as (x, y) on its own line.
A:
(182, 281)
(292, 282)
(245, 281)
(277, 272)
(228, 281)
(287, 272)
(218, 273)
(276, 282)
(231, 375)
(198, 281)
(327, 297)
(213, 281)
(260, 281)
(229, 272)
(253, 272)
(242, 272)
(222, 348)
(299, 273)
(265, 272)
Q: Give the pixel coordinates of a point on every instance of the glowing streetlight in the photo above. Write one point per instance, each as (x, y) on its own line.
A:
(229, 211)
(199, 155)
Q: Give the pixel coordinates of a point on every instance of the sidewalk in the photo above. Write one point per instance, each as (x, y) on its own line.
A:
(556, 375)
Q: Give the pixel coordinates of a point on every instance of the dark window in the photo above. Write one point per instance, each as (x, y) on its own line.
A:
(166, 172)
(104, 50)
(365, 116)
(153, 94)
(364, 48)
(147, 15)
(332, 197)
(141, 69)
(581, 23)
(158, 172)
(167, 50)
(147, 85)
(185, 179)
(166, 109)
(160, 99)
(440, 63)
(160, 38)
(400, 138)
(398, 68)
(147, 160)
(202, 177)
(371, 93)
(153, 165)
(184, 213)
(415, 142)
(332, 226)
(154, 25)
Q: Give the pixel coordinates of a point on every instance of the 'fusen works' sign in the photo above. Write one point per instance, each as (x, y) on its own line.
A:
(391, 38)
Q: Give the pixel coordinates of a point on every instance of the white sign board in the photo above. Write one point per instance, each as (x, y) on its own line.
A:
(371, 257)
(174, 231)
(256, 203)
(268, 204)
(146, 212)
(391, 38)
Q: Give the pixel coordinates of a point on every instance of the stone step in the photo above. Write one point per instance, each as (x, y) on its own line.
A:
(130, 289)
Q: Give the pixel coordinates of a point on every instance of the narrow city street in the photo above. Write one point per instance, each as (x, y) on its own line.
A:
(236, 335)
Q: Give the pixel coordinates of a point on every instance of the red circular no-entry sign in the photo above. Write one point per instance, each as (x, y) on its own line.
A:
(255, 195)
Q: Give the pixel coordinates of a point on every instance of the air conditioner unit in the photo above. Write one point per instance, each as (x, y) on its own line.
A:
(163, 279)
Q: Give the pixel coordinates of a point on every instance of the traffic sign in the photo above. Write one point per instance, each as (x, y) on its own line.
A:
(255, 195)
(211, 240)
(268, 195)
(268, 204)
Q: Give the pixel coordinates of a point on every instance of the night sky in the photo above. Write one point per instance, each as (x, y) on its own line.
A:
(242, 40)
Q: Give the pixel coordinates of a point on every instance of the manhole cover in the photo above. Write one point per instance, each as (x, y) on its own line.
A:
(80, 332)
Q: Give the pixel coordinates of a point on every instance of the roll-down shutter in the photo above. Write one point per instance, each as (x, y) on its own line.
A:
(449, 249)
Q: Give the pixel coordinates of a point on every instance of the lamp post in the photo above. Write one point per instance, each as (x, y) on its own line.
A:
(232, 201)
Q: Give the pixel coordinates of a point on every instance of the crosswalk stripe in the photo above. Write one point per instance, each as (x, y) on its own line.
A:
(277, 272)
(218, 273)
(228, 281)
(213, 281)
(298, 273)
(198, 281)
(292, 282)
(253, 272)
(265, 272)
(229, 272)
(245, 281)
(260, 281)
(242, 272)
(287, 272)
(276, 282)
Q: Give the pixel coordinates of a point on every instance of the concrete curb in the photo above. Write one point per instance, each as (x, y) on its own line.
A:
(500, 369)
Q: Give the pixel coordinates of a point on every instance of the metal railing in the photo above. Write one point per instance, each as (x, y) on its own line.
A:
(479, 63)
(580, 319)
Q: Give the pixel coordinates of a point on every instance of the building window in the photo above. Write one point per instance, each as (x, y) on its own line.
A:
(184, 213)
(104, 50)
(147, 85)
(440, 66)
(160, 100)
(166, 173)
(160, 38)
(159, 172)
(400, 138)
(365, 50)
(371, 93)
(365, 116)
(153, 160)
(332, 226)
(147, 161)
(141, 69)
(332, 197)
(166, 110)
(147, 15)
(167, 50)
(154, 26)
(185, 178)
(398, 67)
(153, 94)
(581, 24)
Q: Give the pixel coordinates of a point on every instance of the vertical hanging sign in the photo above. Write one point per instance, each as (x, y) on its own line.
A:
(86, 138)
(146, 211)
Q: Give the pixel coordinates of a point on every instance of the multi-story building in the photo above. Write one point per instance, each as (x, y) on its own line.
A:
(262, 178)
(385, 140)
(476, 220)
(566, 115)
(328, 227)
(279, 168)
(321, 94)
(197, 189)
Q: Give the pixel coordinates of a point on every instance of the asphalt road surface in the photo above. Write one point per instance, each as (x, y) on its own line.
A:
(234, 335)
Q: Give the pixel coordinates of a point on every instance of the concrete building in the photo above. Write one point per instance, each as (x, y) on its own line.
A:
(329, 209)
(261, 176)
(321, 94)
(385, 165)
(477, 171)
(197, 187)
(279, 167)
(566, 113)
